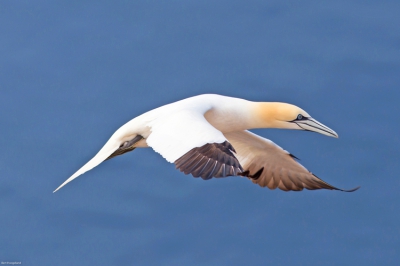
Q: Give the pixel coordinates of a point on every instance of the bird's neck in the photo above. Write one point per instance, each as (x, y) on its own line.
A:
(241, 115)
(267, 115)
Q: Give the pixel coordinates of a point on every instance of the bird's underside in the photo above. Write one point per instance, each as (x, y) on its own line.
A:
(249, 155)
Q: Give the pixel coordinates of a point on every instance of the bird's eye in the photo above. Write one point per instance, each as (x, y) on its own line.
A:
(299, 117)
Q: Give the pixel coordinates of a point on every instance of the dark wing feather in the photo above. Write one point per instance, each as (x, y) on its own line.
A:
(210, 160)
(268, 165)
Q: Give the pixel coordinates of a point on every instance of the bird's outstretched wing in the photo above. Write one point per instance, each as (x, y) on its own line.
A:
(268, 165)
(187, 139)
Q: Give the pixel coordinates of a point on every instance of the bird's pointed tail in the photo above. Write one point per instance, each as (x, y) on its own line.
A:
(110, 147)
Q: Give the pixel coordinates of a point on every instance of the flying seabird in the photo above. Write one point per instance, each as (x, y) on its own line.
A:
(207, 136)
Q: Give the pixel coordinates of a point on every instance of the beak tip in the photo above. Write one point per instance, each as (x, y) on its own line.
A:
(335, 135)
(313, 125)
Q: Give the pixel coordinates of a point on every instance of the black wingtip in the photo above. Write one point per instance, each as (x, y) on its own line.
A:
(350, 190)
(125, 147)
(294, 157)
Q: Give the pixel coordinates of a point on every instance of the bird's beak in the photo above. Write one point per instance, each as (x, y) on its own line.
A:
(310, 124)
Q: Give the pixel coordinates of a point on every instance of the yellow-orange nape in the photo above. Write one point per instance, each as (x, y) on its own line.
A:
(277, 114)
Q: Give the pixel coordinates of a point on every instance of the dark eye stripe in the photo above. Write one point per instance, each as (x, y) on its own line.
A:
(300, 117)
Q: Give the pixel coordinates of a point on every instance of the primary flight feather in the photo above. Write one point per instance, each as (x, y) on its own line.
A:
(207, 136)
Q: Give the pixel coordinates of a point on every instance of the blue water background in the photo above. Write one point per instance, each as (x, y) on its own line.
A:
(72, 72)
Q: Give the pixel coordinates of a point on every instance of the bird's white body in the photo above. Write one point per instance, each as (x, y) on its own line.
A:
(175, 130)
(170, 122)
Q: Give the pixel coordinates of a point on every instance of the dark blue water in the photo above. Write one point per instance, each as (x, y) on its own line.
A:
(72, 72)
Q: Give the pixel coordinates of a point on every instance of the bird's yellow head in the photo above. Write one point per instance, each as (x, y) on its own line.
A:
(289, 116)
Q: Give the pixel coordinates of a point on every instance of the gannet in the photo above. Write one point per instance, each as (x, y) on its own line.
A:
(207, 136)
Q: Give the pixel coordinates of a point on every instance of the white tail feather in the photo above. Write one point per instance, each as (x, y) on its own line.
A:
(111, 146)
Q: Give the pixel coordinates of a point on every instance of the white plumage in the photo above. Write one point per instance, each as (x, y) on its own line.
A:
(175, 134)
(207, 136)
